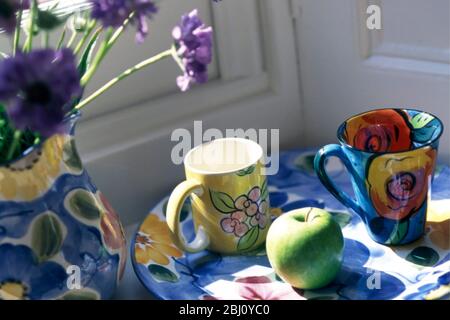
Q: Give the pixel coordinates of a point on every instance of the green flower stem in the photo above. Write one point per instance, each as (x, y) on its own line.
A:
(15, 143)
(123, 75)
(86, 35)
(33, 13)
(177, 59)
(71, 39)
(61, 38)
(101, 53)
(18, 30)
(107, 44)
(119, 31)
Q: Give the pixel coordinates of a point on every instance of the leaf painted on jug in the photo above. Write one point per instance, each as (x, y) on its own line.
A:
(47, 236)
(83, 205)
(71, 157)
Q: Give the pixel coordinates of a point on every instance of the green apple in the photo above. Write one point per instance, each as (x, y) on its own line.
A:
(305, 248)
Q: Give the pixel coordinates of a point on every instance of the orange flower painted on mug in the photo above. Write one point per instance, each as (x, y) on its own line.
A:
(398, 183)
(380, 131)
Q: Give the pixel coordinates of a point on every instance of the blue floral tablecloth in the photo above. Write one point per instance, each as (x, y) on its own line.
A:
(420, 270)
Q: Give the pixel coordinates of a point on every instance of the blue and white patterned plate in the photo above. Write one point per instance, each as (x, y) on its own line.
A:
(420, 270)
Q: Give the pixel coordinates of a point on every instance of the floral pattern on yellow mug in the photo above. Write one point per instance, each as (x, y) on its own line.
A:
(230, 201)
(244, 216)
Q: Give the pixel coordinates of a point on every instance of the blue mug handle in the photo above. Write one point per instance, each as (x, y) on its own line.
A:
(335, 150)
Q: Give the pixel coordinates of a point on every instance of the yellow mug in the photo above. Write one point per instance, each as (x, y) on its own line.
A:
(226, 181)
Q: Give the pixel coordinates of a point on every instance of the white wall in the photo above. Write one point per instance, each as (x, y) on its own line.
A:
(254, 85)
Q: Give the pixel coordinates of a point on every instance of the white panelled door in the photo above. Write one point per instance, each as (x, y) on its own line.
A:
(346, 68)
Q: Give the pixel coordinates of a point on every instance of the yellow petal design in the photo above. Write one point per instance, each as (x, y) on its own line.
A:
(154, 244)
(393, 197)
(31, 176)
(12, 291)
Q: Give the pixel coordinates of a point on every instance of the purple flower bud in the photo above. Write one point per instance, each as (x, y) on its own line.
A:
(113, 13)
(193, 41)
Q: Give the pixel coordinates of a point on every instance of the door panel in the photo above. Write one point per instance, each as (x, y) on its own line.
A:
(346, 68)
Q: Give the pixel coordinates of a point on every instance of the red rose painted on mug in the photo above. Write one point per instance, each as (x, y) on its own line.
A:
(383, 131)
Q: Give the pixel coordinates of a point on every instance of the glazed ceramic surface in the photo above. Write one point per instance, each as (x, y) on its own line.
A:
(420, 270)
(391, 156)
(230, 208)
(55, 223)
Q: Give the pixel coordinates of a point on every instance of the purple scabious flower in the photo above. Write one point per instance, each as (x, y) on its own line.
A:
(38, 88)
(8, 13)
(112, 13)
(193, 41)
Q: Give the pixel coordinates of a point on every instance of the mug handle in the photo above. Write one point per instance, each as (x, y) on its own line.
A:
(335, 150)
(173, 211)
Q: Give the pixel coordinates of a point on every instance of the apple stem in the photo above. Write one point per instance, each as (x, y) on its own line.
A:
(307, 214)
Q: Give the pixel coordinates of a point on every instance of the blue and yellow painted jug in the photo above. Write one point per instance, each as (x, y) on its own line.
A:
(59, 237)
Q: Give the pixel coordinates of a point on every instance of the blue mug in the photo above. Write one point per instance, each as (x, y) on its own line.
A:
(390, 155)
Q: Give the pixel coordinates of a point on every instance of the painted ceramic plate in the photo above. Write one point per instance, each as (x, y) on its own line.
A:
(370, 271)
